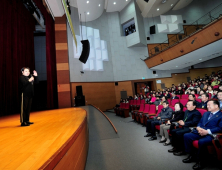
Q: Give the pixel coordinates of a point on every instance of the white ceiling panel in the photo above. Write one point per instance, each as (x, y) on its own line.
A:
(118, 6)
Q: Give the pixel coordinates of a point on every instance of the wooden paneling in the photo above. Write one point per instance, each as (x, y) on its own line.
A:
(62, 66)
(151, 47)
(203, 38)
(62, 62)
(182, 77)
(123, 86)
(101, 94)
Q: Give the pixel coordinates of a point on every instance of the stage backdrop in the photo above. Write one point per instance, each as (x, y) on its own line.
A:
(16, 51)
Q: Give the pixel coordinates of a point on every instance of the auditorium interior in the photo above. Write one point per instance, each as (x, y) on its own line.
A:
(112, 74)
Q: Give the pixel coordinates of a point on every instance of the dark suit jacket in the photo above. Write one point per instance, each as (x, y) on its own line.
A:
(214, 124)
(176, 97)
(202, 105)
(191, 118)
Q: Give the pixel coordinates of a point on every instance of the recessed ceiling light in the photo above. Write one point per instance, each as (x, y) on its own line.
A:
(87, 13)
(171, 4)
(126, 0)
(99, 4)
(176, 66)
(114, 3)
(87, 2)
(200, 59)
(158, 9)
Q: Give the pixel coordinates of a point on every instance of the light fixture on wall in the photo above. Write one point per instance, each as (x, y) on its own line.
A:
(164, 1)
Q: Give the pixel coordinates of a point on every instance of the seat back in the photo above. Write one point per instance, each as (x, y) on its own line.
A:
(142, 101)
(138, 102)
(209, 95)
(169, 101)
(172, 108)
(130, 102)
(184, 96)
(174, 101)
(146, 108)
(127, 106)
(152, 109)
(122, 105)
(141, 108)
(183, 101)
(196, 95)
(202, 111)
(215, 87)
(184, 109)
(159, 109)
(134, 102)
(178, 96)
(198, 100)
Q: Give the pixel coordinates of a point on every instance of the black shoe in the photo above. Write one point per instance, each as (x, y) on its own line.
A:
(152, 138)
(180, 153)
(162, 141)
(148, 135)
(24, 124)
(199, 165)
(30, 123)
(172, 150)
(166, 144)
(189, 159)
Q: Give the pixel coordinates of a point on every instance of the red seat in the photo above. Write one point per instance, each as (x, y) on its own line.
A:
(183, 101)
(172, 108)
(122, 106)
(169, 101)
(145, 111)
(174, 101)
(184, 96)
(142, 101)
(209, 95)
(215, 87)
(159, 109)
(152, 111)
(178, 96)
(184, 109)
(139, 111)
(125, 111)
(198, 100)
(202, 111)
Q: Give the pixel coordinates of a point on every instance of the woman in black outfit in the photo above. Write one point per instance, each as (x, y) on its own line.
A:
(178, 114)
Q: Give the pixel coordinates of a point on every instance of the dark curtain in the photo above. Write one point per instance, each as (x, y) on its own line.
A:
(52, 96)
(16, 51)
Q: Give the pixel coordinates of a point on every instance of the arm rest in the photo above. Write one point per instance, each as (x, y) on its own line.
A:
(152, 114)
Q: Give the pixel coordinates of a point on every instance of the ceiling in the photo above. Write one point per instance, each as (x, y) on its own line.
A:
(195, 57)
(150, 9)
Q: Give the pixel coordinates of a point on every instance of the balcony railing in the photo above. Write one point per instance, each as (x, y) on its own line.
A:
(188, 31)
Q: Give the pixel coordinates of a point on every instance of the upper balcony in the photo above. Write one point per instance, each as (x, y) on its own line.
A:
(197, 42)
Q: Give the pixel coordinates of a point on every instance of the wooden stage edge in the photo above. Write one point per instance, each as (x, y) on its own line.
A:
(58, 139)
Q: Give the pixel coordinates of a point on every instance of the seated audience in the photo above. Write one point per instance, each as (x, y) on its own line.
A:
(157, 101)
(215, 82)
(167, 95)
(126, 101)
(148, 99)
(135, 97)
(179, 91)
(205, 87)
(219, 96)
(166, 113)
(220, 87)
(204, 100)
(191, 119)
(210, 90)
(161, 101)
(201, 92)
(215, 94)
(153, 99)
(192, 97)
(211, 122)
(174, 96)
(141, 97)
(198, 90)
(177, 115)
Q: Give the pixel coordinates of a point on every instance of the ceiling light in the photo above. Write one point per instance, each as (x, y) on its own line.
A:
(87, 13)
(99, 4)
(158, 9)
(200, 59)
(126, 0)
(114, 3)
(176, 66)
(171, 4)
(87, 2)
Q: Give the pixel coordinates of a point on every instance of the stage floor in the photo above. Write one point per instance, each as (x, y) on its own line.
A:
(32, 146)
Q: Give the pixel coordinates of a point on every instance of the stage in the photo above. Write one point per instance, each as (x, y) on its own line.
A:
(58, 139)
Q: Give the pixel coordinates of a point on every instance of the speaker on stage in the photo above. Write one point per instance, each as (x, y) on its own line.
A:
(80, 101)
(85, 51)
(79, 90)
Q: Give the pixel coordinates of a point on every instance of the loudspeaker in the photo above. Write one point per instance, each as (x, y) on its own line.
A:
(153, 29)
(80, 101)
(147, 38)
(154, 72)
(85, 51)
(79, 90)
(184, 21)
(191, 67)
(157, 49)
(116, 83)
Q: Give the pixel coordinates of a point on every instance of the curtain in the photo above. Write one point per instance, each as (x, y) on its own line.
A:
(52, 95)
(16, 51)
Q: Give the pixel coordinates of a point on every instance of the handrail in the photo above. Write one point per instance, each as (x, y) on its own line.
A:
(199, 24)
(105, 116)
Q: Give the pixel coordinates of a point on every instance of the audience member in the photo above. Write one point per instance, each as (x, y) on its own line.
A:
(210, 90)
(177, 115)
(211, 122)
(174, 96)
(219, 96)
(166, 113)
(204, 100)
(179, 91)
(215, 82)
(153, 98)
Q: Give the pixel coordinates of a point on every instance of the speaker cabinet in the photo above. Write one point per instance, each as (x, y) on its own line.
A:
(79, 90)
(80, 101)
(116, 83)
(85, 51)
(147, 38)
(154, 72)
